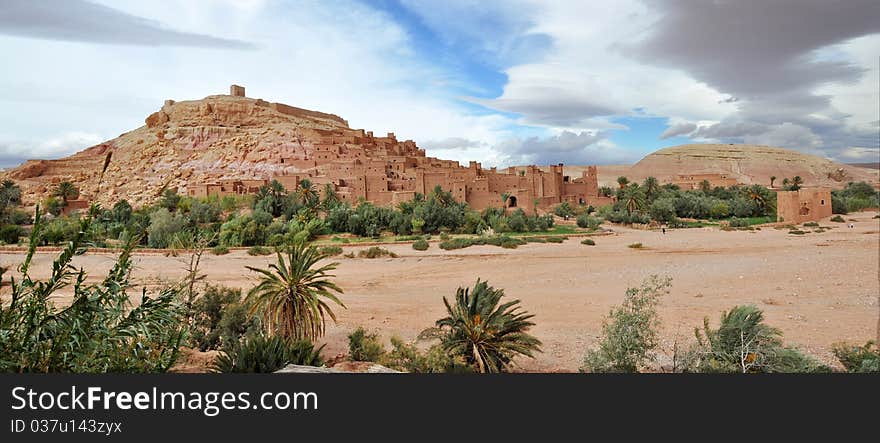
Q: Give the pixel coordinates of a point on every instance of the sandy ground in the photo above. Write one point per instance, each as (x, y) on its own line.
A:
(819, 288)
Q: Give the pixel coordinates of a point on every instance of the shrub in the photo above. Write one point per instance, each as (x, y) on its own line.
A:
(635, 246)
(838, 219)
(100, 331)
(444, 236)
(556, 239)
(330, 251)
(9, 234)
(631, 331)
(364, 346)
(407, 357)
(456, 243)
(163, 227)
(260, 354)
(811, 225)
(219, 250)
(856, 358)
(588, 242)
(738, 223)
(744, 343)
(588, 222)
(376, 252)
(797, 232)
(421, 245)
(258, 250)
(219, 319)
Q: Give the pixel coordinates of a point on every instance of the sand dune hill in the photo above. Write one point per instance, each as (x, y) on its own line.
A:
(748, 164)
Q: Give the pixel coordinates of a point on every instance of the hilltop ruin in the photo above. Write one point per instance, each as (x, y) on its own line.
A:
(232, 144)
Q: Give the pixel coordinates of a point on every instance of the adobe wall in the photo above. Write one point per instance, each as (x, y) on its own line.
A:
(806, 204)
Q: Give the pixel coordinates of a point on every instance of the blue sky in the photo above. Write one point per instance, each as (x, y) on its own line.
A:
(502, 82)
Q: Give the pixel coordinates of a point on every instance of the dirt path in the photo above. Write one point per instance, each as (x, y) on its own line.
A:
(818, 288)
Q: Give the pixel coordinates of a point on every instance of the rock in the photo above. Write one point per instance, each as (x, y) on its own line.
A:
(345, 367)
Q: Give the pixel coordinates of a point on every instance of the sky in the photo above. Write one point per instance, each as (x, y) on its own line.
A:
(505, 82)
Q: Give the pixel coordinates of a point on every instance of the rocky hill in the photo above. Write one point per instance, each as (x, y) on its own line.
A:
(198, 141)
(748, 164)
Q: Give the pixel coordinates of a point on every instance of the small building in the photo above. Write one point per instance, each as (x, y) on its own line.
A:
(803, 205)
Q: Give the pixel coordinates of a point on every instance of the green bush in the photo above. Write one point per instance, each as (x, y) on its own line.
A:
(635, 246)
(739, 223)
(99, 331)
(376, 252)
(556, 239)
(364, 346)
(421, 245)
(797, 232)
(258, 250)
(9, 234)
(854, 358)
(811, 225)
(220, 250)
(838, 219)
(407, 358)
(631, 331)
(219, 319)
(588, 222)
(260, 354)
(744, 343)
(330, 251)
(588, 242)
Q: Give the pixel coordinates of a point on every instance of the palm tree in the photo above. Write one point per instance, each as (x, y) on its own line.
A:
(652, 187)
(307, 193)
(633, 197)
(796, 182)
(705, 186)
(488, 335)
(291, 295)
(622, 181)
(756, 195)
(504, 197)
(772, 179)
(67, 191)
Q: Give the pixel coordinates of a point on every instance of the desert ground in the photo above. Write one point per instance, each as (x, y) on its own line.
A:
(819, 288)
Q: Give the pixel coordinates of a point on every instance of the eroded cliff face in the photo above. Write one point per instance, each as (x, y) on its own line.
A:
(184, 143)
(748, 164)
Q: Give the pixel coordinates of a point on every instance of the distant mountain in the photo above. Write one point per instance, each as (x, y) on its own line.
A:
(748, 164)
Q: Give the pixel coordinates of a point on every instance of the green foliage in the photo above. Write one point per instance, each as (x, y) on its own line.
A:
(744, 343)
(330, 251)
(838, 219)
(65, 191)
(376, 252)
(101, 331)
(163, 227)
(484, 332)
(860, 359)
(260, 354)
(854, 197)
(9, 234)
(220, 319)
(364, 346)
(588, 242)
(588, 222)
(54, 206)
(258, 250)
(564, 210)
(421, 245)
(630, 333)
(811, 225)
(292, 296)
(170, 200)
(406, 357)
(635, 246)
(503, 241)
(663, 210)
(219, 250)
